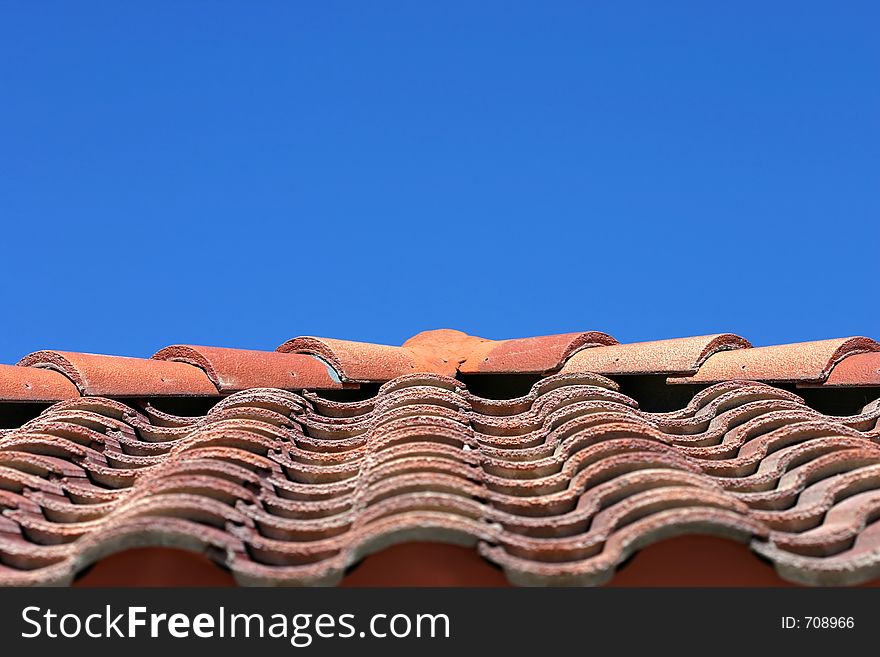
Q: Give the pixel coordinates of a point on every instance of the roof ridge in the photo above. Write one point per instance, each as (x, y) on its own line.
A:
(317, 363)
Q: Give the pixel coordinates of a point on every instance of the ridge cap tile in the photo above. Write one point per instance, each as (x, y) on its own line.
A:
(856, 370)
(99, 375)
(31, 384)
(447, 352)
(232, 370)
(308, 362)
(359, 362)
(798, 362)
(669, 356)
(442, 351)
(540, 354)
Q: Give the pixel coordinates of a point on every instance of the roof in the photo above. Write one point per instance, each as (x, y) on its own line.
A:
(554, 458)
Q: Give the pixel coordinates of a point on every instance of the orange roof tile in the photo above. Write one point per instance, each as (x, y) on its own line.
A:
(803, 361)
(232, 370)
(354, 361)
(555, 490)
(678, 355)
(30, 384)
(854, 371)
(117, 376)
(538, 355)
(283, 485)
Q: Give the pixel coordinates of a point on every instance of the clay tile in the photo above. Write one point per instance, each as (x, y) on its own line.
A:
(31, 384)
(233, 370)
(678, 355)
(116, 376)
(529, 355)
(799, 362)
(355, 361)
(857, 370)
(442, 351)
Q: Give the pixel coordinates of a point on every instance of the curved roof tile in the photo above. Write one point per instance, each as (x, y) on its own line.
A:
(559, 489)
(537, 355)
(677, 355)
(325, 363)
(34, 385)
(119, 376)
(355, 361)
(798, 362)
(446, 352)
(232, 370)
(856, 370)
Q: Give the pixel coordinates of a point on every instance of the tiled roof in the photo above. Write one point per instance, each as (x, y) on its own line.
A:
(313, 456)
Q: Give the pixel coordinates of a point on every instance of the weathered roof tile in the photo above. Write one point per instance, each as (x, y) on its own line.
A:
(798, 362)
(30, 384)
(674, 356)
(232, 370)
(118, 376)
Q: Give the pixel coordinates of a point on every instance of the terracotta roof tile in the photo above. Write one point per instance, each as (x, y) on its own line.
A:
(557, 487)
(442, 351)
(447, 352)
(118, 376)
(232, 370)
(354, 361)
(28, 384)
(678, 355)
(799, 362)
(538, 355)
(856, 370)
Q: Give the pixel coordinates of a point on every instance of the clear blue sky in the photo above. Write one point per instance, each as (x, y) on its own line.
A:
(238, 173)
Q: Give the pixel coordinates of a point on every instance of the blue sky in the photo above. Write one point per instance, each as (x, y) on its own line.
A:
(237, 173)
